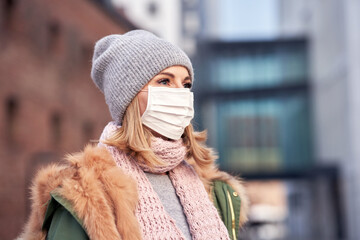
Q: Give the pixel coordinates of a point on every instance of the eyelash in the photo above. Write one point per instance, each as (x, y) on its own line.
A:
(188, 85)
(164, 80)
(161, 81)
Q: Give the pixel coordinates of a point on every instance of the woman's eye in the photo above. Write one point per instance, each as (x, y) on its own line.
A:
(164, 81)
(187, 85)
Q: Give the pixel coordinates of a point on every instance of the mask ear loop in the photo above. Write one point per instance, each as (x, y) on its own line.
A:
(146, 90)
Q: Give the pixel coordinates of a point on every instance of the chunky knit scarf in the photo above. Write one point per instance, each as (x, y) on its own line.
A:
(203, 219)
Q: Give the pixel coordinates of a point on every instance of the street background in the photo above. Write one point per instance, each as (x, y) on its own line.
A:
(276, 86)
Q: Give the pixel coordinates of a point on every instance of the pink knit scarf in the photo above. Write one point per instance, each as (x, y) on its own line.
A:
(203, 219)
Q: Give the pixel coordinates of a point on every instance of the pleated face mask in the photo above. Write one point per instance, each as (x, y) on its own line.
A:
(168, 110)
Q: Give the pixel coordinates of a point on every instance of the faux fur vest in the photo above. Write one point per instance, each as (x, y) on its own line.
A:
(103, 197)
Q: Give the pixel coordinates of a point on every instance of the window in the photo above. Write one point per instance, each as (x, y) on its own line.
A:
(254, 101)
(53, 35)
(88, 131)
(86, 54)
(12, 109)
(152, 8)
(55, 125)
(9, 6)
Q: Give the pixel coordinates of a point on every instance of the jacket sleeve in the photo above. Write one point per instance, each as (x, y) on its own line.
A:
(60, 223)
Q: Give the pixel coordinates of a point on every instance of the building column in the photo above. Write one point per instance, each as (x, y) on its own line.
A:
(352, 170)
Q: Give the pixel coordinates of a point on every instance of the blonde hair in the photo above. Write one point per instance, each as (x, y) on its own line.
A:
(135, 139)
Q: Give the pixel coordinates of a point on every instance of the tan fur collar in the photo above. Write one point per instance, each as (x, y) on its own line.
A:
(99, 189)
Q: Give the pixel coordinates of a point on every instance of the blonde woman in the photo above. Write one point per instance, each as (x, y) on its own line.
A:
(151, 176)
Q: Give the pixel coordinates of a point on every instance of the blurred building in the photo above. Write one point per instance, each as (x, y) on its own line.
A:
(160, 17)
(333, 30)
(49, 105)
(177, 21)
(276, 83)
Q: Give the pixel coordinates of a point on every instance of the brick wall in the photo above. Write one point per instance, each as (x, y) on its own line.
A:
(49, 105)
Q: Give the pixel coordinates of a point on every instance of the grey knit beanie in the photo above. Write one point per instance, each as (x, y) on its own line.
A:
(123, 64)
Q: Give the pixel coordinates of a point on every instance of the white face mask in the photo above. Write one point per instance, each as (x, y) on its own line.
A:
(168, 110)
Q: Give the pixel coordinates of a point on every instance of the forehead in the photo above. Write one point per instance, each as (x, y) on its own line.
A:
(176, 71)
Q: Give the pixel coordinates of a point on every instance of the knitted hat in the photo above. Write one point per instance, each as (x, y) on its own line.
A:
(123, 64)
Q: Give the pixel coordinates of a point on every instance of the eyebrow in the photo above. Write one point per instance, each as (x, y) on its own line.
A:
(172, 75)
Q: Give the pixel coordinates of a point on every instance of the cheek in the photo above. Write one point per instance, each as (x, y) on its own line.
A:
(142, 102)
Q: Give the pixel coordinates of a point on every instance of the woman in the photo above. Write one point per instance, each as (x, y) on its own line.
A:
(151, 176)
